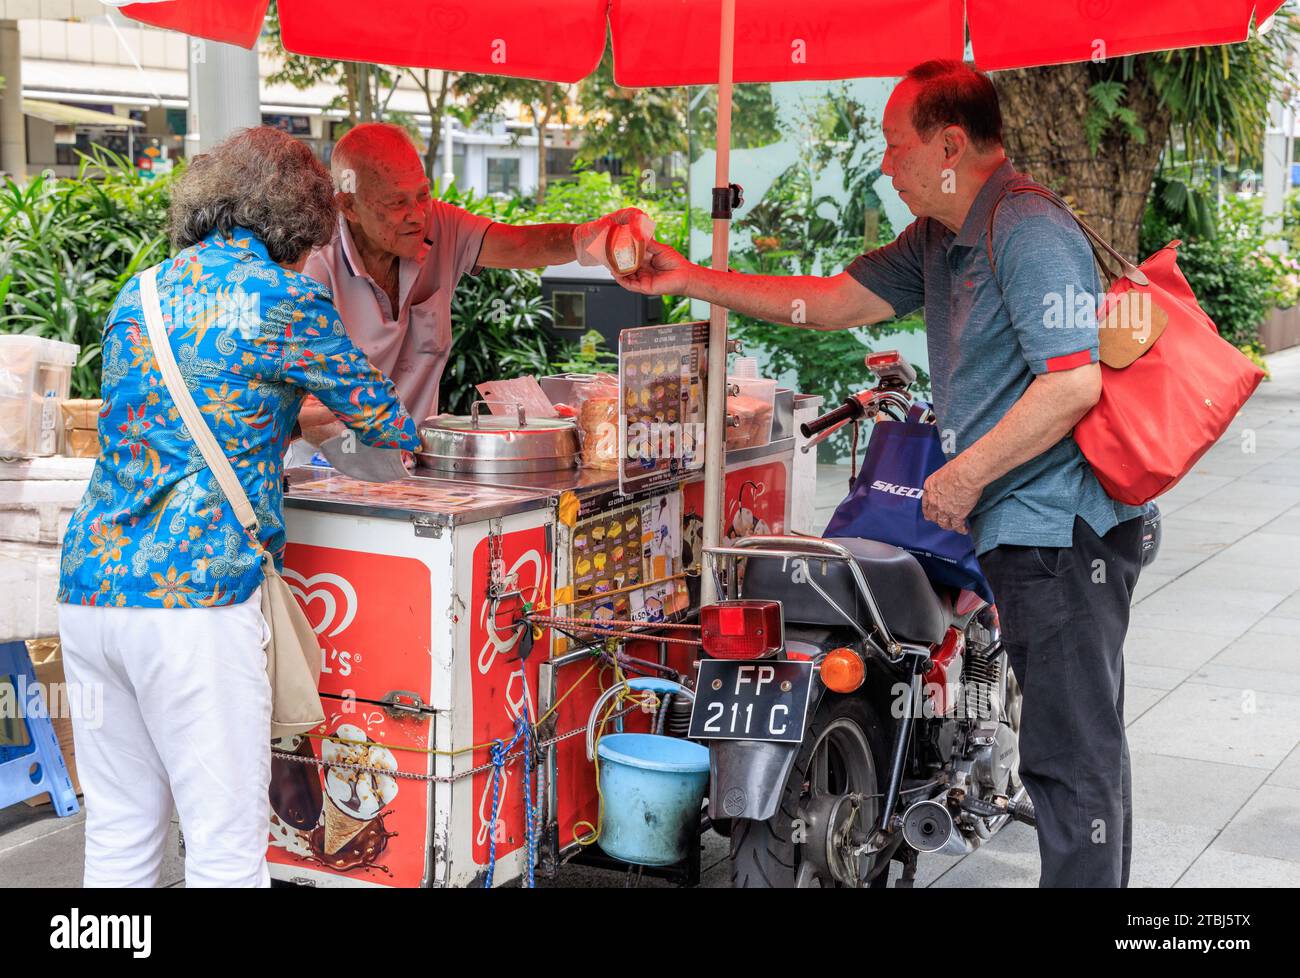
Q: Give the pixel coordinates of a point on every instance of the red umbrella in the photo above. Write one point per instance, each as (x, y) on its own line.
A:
(703, 42)
(676, 42)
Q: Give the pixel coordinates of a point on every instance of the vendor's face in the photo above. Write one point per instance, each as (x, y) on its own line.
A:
(916, 166)
(391, 205)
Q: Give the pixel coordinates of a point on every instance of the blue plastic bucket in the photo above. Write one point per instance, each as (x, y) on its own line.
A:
(653, 788)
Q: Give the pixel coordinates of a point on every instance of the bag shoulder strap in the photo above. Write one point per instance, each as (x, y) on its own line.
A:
(190, 414)
(1101, 248)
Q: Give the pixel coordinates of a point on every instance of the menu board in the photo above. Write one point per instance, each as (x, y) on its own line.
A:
(625, 562)
(661, 388)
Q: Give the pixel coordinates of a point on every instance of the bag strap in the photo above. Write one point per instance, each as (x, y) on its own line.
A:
(1101, 248)
(190, 414)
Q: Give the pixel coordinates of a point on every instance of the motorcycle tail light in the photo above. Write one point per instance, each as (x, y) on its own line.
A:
(741, 629)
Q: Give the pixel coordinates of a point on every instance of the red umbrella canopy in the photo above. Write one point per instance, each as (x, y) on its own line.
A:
(675, 42)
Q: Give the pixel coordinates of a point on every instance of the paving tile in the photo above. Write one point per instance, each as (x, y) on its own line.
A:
(1174, 561)
(1215, 673)
(1168, 648)
(1183, 791)
(1272, 645)
(1212, 723)
(1208, 609)
(1218, 867)
(1150, 582)
(1290, 608)
(1276, 549)
(1236, 575)
(1289, 522)
(1268, 825)
(1161, 678)
(1009, 859)
(1164, 851)
(1139, 699)
(1287, 774)
(1202, 536)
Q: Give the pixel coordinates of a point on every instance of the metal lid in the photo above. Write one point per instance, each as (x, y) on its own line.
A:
(454, 443)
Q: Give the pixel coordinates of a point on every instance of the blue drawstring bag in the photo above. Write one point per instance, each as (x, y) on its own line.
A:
(885, 505)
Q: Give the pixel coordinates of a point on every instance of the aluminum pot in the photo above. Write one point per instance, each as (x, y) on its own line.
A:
(497, 443)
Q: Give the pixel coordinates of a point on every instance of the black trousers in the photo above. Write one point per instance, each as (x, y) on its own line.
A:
(1064, 614)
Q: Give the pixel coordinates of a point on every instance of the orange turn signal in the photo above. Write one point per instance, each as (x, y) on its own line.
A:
(842, 670)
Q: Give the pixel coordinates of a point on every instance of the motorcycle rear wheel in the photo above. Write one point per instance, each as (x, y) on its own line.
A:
(843, 751)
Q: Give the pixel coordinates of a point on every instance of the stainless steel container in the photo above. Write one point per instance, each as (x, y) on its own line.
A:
(497, 443)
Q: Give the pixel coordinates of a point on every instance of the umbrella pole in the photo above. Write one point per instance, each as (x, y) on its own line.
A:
(715, 418)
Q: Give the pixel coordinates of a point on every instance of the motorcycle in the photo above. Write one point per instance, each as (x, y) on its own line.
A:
(856, 714)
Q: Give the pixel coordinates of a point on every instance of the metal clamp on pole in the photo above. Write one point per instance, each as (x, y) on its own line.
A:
(727, 199)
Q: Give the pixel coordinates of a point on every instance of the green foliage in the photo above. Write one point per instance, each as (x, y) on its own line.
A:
(498, 317)
(1108, 110)
(68, 246)
(1218, 96)
(1232, 276)
(590, 355)
(793, 230)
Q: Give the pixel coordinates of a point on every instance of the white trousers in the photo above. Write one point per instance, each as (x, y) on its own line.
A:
(185, 720)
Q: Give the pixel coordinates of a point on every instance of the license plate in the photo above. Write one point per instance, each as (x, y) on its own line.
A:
(747, 700)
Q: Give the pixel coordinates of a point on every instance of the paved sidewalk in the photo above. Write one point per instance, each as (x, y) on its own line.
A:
(1213, 695)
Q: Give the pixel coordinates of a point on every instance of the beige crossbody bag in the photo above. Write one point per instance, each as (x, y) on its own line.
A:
(292, 654)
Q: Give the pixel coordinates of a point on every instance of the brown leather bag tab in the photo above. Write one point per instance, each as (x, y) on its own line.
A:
(1133, 323)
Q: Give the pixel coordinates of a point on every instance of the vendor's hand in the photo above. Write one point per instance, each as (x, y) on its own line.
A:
(948, 497)
(664, 272)
(318, 422)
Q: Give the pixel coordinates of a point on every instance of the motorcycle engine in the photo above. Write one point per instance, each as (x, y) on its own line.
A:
(991, 745)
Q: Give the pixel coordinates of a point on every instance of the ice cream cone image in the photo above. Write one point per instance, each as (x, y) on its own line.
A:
(340, 828)
(355, 793)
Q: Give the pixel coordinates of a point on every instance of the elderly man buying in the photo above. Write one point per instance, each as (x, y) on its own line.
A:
(393, 267)
(1062, 557)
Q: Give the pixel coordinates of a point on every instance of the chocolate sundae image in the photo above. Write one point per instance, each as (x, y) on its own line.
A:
(296, 797)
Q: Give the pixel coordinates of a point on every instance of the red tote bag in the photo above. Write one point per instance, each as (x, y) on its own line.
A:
(1170, 384)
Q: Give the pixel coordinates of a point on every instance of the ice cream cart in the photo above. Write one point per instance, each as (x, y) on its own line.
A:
(418, 591)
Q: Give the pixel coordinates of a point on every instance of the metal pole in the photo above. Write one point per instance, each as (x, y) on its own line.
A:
(13, 128)
(715, 418)
(224, 93)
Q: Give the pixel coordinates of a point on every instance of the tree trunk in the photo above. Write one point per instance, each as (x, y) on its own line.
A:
(436, 108)
(1044, 110)
(541, 122)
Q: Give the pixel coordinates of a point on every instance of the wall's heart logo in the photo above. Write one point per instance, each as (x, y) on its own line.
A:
(336, 597)
(1095, 9)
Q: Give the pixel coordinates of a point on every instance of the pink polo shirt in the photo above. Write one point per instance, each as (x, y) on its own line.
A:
(409, 344)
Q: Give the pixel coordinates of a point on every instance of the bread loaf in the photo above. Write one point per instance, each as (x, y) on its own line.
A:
(598, 432)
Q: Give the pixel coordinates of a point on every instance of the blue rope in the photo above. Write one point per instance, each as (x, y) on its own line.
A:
(530, 827)
(524, 731)
(499, 752)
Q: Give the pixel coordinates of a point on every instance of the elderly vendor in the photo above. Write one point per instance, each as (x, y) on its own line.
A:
(394, 265)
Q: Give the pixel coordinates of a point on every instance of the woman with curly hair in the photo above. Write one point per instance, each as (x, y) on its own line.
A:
(160, 584)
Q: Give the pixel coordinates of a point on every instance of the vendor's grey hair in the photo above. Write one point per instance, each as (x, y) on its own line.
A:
(261, 179)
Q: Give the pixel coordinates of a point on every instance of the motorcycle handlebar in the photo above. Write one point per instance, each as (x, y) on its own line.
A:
(850, 409)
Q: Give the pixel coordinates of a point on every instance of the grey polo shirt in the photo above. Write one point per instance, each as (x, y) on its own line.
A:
(988, 337)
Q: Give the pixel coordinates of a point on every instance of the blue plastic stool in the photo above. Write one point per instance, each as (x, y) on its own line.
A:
(31, 761)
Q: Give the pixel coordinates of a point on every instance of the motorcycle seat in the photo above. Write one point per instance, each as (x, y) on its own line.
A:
(912, 608)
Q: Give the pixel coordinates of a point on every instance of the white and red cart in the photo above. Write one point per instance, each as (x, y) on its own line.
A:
(415, 589)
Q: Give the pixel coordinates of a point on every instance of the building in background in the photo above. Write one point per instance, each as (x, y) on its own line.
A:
(79, 74)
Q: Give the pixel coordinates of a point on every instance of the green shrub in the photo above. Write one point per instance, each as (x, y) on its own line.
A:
(1234, 279)
(67, 246)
